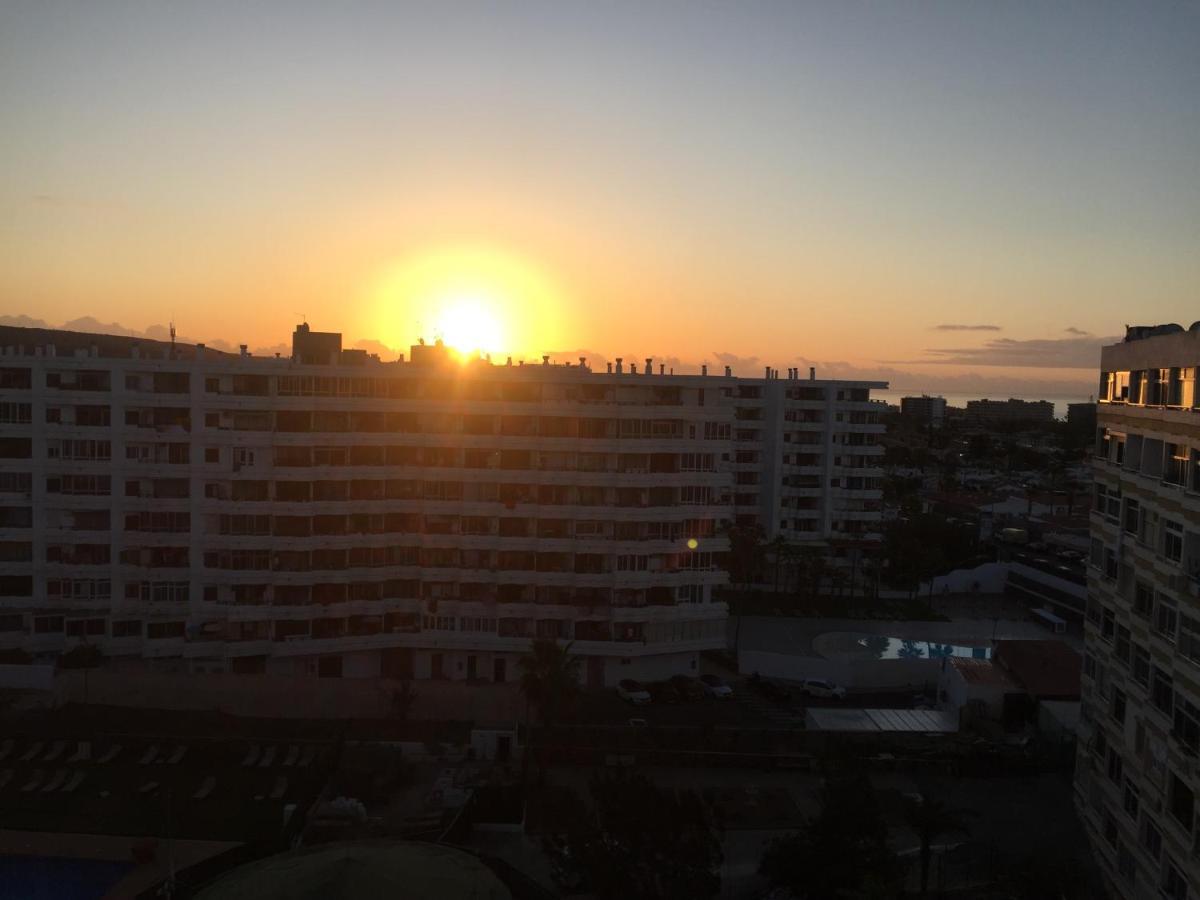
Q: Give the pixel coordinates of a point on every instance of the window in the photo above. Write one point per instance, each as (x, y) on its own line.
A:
(1152, 839)
(1162, 691)
(1126, 864)
(1108, 625)
(1172, 540)
(1117, 708)
(1110, 829)
(1133, 517)
(1121, 648)
(212, 454)
(1186, 728)
(1174, 885)
(1141, 665)
(1116, 766)
(1181, 802)
(1189, 638)
(1166, 617)
(1143, 599)
(1130, 800)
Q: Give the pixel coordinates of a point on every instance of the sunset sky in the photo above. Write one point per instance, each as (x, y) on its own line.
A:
(956, 196)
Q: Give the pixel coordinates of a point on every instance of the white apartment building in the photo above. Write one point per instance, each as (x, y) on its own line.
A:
(330, 514)
(808, 462)
(1138, 767)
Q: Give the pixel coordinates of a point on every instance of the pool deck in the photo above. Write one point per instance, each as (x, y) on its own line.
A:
(113, 848)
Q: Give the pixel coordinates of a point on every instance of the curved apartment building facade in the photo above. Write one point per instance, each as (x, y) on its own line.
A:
(334, 515)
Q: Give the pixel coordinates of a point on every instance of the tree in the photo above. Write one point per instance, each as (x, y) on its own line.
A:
(638, 840)
(931, 819)
(550, 679)
(745, 556)
(841, 853)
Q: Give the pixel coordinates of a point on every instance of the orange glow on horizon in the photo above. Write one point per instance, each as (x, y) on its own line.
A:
(476, 299)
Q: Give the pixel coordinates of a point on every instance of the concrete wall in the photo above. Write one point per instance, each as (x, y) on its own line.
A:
(990, 578)
(26, 678)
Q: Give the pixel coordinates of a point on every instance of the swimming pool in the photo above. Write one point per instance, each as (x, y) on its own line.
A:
(856, 645)
(57, 878)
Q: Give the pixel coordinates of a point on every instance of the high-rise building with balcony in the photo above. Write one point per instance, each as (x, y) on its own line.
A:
(1138, 768)
(331, 514)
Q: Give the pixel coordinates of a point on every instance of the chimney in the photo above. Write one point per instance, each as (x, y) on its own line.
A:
(704, 369)
(509, 362)
(728, 371)
(812, 373)
(610, 368)
(662, 368)
(243, 349)
(545, 360)
(649, 365)
(620, 360)
(583, 362)
(767, 373)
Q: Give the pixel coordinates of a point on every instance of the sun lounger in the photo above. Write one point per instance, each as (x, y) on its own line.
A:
(6, 748)
(177, 754)
(75, 781)
(33, 782)
(148, 787)
(110, 754)
(280, 788)
(5, 777)
(290, 760)
(55, 751)
(34, 749)
(82, 753)
(55, 782)
(307, 756)
(268, 757)
(149, 756)
(206, 787)
(251, 756)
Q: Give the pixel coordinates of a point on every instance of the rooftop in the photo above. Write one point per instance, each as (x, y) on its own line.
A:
(982, 672)
(1047, 669)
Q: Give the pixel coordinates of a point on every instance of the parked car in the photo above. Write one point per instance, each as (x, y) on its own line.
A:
(663, 692)
(769, 689)
(689, 688)
(820, 687)
(715, 687)
(632, 692)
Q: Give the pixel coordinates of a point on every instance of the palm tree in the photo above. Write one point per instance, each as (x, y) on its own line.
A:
(550, 682)
(932, 819)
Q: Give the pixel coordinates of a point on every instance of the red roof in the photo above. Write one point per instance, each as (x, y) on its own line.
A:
(982, 671)
(1046, 669)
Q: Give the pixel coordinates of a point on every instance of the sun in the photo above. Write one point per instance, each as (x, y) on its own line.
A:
(469, 325)
(476, 299)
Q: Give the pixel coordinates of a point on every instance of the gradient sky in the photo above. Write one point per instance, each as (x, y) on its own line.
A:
(753, 181)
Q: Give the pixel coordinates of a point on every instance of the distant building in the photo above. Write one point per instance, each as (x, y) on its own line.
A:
(990, 413)
(923, 410)
(1137, 782)
(1082, 416)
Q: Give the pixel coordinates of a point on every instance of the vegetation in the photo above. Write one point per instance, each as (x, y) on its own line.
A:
(931, 819)
(550, 679)
(841, 853)
(637, 840)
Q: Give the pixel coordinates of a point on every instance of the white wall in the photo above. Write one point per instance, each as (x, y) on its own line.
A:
(990, 578)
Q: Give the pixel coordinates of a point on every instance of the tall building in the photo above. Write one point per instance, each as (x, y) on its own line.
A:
(923, 410)
(330, 514)
(991, 413)
(808, 460)
(1137, 773)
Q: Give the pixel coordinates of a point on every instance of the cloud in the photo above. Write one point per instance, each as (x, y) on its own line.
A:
(1049, 353)
(23, 322)
(967, 328)
(1077, 331)
(745, 366)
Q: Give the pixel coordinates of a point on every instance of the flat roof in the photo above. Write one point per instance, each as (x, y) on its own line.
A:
(895, 721)
(982, 672)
